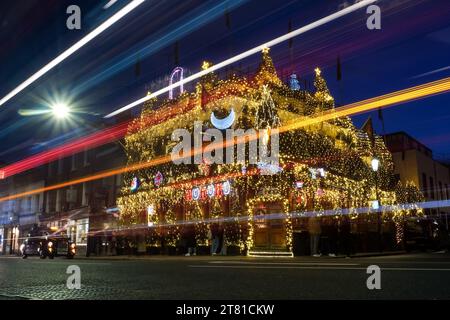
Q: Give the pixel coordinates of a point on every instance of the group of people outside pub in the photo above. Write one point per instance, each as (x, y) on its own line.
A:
(216, 239)
(325, 233)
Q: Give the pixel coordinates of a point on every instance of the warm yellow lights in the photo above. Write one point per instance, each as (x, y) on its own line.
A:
(394, 98)
(317, 71)
(206, 65)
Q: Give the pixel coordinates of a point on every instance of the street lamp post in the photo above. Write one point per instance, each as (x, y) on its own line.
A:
(375, 165)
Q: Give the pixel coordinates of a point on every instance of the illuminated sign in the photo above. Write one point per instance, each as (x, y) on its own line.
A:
(208, 191)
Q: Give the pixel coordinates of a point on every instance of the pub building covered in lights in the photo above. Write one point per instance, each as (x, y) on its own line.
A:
(324, 167)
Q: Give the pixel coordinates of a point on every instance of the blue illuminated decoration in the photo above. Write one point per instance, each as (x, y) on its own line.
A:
(195, 193)
(226, 188)
(293, 82)
(135, 183)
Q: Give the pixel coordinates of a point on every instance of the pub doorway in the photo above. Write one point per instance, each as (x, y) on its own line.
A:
(269, 227)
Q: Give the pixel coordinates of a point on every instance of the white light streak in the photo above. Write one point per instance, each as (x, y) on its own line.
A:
(109, 4)
(247, 53)
(105, 25)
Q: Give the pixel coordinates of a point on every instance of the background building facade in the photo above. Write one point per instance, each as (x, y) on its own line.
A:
(414, 162)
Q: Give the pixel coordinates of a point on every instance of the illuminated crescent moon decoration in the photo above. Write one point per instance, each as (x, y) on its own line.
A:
(224, 123)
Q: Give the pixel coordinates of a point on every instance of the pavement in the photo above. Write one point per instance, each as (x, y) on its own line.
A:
(403, 276)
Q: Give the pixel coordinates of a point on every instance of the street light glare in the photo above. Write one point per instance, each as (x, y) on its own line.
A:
(74, 48)
(60, 110)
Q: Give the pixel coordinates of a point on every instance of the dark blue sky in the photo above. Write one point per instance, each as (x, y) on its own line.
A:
(414, 39)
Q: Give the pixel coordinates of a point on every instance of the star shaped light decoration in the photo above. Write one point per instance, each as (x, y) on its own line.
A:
(205, 65)
(318, 71)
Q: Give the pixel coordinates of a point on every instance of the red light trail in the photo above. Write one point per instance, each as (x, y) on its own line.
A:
(391, 99)
(90, 141)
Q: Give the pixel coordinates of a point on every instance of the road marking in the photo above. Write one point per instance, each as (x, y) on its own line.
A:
(314, 268)
(70, 262)
(286, 263)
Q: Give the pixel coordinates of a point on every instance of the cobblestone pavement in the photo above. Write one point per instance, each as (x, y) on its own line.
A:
(416, 276)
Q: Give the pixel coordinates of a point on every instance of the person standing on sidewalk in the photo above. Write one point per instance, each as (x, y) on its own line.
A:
(214, 238)
(222, 240)
(191, 242)
(345, 233)
(331, 235)
(314, 230)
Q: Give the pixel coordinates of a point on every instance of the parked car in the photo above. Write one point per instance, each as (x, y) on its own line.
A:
(425, 233)
(45, 244)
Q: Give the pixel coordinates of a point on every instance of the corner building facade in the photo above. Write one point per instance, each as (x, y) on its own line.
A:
(324, 170)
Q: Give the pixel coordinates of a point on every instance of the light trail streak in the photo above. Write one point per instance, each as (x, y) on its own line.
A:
(246, 54)
(280, 216)
(92, 140)
(166, 35)
(71, 50)
(431, 72)
(109, 4)
(290, 215)
(402, 96)
(410, 94)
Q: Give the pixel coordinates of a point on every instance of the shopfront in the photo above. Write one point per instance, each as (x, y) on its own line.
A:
(78, 230)
(10, 239)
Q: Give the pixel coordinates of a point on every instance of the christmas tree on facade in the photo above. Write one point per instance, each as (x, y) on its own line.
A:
(324, 170)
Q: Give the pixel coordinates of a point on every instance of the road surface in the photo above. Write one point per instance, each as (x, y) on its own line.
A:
(413, 276)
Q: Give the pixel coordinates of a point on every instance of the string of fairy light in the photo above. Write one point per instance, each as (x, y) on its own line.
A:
(316, 139)
(330, 141)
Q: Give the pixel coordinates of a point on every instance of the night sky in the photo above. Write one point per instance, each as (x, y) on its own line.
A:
(137, 54)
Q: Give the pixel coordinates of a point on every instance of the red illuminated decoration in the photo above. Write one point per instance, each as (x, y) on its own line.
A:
(205, 192)
(159, 178)
(188, 195)
(300, 199)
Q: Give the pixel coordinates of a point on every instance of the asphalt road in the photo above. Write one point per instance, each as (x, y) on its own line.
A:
(414, 276)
